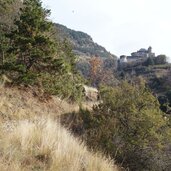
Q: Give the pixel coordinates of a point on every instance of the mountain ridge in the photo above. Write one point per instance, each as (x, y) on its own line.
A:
(83, 44)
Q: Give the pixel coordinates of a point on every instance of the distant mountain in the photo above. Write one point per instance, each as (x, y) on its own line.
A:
(83, 44)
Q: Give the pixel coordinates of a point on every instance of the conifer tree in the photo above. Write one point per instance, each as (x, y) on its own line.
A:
(33, 60)
(5, 6)
(31, 42)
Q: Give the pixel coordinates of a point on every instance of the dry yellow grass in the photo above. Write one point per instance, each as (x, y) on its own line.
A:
(41, 144)
(31, 138)
(21, 104)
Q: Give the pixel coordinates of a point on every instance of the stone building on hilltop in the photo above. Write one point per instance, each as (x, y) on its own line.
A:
(140, 55)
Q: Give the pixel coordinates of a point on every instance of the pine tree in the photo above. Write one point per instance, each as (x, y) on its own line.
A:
(33, 60)
(5, 22)
(31, 42)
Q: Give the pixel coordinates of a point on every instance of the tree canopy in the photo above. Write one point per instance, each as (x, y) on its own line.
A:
(31, 42)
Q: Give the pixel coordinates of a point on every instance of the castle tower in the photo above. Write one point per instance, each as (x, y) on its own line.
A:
(150, 50)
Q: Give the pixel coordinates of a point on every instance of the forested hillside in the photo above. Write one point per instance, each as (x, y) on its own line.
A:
(87, 52)
(157, 76)
(83, 44)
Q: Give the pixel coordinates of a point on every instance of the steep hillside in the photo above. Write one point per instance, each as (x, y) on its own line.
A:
(32, 139)
(83, 44)
(158, 79)
(87, 50)
(155, 75)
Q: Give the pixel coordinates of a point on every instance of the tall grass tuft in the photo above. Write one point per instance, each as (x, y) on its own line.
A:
(42, 144)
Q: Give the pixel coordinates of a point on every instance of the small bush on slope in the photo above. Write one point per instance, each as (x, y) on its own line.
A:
(42, 144)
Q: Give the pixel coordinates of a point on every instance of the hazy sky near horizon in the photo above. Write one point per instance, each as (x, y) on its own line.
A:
(121, 26)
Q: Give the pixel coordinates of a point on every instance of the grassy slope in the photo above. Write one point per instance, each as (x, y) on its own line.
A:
(31, 138)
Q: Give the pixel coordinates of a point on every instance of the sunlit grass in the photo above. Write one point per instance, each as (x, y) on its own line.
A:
(32, 139)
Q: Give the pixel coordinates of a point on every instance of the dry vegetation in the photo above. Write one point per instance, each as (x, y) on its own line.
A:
(31, 138)
(26, 103)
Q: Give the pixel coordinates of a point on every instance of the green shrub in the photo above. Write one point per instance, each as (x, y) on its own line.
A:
(66, 86)
(128, 125)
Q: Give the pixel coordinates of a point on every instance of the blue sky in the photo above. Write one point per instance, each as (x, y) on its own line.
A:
(121, 26)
